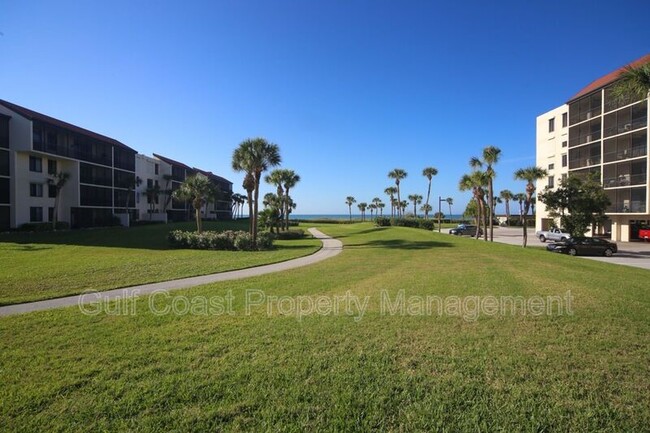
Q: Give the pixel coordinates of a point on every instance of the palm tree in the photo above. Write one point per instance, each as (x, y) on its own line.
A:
(507, 195)
(633, 84)
(475, 182)
(198, 190)
(416, 199)
(58, 181)
(520, 198)
(426, 208)
(398, 174)
(429, 172)
(276, 177)
(391, 191)
(489, 158)
(373, 208)
(449, 201)
(152, 193)
(530, 175)
(402, 206)
(167, 191)
(253, 157)
(350, 201)
(289, 181)
(273, 205)
(362, 207)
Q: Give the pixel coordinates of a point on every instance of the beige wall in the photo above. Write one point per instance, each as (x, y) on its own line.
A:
(550, 151)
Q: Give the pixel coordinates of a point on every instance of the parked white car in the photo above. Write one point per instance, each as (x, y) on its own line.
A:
(553, 234)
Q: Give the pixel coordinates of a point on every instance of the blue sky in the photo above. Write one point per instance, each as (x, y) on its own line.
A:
(348, 89)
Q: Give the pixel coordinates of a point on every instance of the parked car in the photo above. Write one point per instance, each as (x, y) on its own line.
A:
(465, 229)
(584, 246)
(554, 234)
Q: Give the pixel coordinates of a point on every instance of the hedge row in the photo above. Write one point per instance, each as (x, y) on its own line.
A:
(405, 222)
(227, 240)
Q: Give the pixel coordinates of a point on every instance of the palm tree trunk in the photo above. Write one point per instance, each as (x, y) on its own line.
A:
(250, 212)
(478, 216)
(508, 212)
(491, 216)
(55, 216)
(426, 212)
(258, 177)
(399, 201)
(197, 213)
(350, 209)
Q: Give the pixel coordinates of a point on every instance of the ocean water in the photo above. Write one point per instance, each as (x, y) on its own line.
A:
(346, 216)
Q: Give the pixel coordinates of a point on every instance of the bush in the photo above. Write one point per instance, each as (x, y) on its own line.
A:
(382, 221)
(43, 227)
(224, 241)
(291, 234)
(405, 222)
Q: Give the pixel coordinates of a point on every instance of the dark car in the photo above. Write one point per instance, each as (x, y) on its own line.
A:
(465, 229)
(584, 246)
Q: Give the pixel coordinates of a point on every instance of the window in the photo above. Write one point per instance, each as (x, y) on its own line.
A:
(95, 196)
(4, 190)
(4, 131)
(551, 125)
(35, 164)
(124, 159)
(4, 163)
(551, 166)
(50, 214)
(95, 174)
(565, 120)
(51, 166)
(551, 181)
(36, 190)
(51, 191)
(149, 183)
(36, 214)
(565, 144)
(156, 168)
(564, 160)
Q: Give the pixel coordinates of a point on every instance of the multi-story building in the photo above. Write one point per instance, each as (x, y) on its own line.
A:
(107, 178)
(605, 136)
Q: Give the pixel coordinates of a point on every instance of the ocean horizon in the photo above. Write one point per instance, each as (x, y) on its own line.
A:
(346, 216)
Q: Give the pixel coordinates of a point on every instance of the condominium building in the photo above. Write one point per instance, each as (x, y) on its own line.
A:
(108, 179)
(597, 133)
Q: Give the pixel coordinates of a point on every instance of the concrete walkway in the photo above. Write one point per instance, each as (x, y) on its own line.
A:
(331, 247)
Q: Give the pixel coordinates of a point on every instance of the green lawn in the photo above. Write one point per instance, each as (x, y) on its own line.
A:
(48, 265)
(585, 371)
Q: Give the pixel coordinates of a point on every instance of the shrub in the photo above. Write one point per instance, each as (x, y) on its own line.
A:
(43, 227)
(291, 234)
(427, 224)
(382, 221)
(225, 241)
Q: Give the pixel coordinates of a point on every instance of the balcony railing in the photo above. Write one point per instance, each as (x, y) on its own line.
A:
(625, 154)
(624, 180)
(627, 206)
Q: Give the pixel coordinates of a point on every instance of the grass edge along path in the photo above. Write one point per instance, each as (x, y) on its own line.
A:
(329, 248)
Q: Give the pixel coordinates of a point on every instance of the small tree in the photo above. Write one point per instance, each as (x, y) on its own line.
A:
(152, 194)
(350, 201)
(58, 181)
(362, 207)
(578, 203)
(198, 190)
(530, 175)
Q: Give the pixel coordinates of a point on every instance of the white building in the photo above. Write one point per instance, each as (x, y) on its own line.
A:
(107, 178)
(606, 137)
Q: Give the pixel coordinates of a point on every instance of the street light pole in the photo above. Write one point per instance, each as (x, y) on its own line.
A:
(439, 212)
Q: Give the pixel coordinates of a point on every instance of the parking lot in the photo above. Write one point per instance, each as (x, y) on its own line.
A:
(635, 254)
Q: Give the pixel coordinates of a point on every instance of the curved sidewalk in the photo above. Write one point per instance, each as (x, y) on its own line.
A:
(331, 247)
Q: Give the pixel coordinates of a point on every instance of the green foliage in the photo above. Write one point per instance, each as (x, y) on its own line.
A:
(290, 234)
(579, 203)
(417, 223)
(228, 240)
(43, 227)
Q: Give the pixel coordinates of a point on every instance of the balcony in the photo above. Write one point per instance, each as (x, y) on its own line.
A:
(624, 180)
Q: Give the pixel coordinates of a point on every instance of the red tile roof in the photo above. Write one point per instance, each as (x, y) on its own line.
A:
(33, 115)
(609, 78)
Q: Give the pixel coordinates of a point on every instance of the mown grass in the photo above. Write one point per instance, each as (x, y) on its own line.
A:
(48, 265)
(585, 371)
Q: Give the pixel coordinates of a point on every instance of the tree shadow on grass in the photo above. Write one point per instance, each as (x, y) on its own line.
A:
(401, 244)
